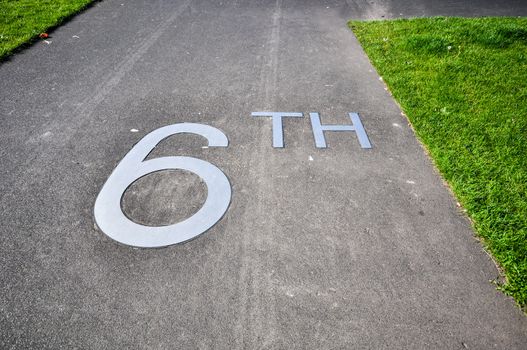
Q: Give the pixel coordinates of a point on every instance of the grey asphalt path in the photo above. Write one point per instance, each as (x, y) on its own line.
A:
(337, 248)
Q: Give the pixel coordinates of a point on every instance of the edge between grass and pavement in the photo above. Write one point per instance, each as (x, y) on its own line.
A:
(461, 83)
(22, 21)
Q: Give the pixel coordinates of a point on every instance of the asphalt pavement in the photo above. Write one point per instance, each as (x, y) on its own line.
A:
(341, 247)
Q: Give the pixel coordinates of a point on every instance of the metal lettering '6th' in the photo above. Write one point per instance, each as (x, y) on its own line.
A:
(114, 223)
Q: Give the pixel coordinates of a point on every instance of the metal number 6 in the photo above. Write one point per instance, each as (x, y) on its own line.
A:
(110, 217)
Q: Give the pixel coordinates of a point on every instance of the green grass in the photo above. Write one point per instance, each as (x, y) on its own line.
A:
(463, 85)
(21, 21)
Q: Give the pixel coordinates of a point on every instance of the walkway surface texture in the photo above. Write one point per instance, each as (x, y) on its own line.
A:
(337, 248)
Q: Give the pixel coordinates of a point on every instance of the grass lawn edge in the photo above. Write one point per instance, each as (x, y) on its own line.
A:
(57, 22)
(517, 290)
